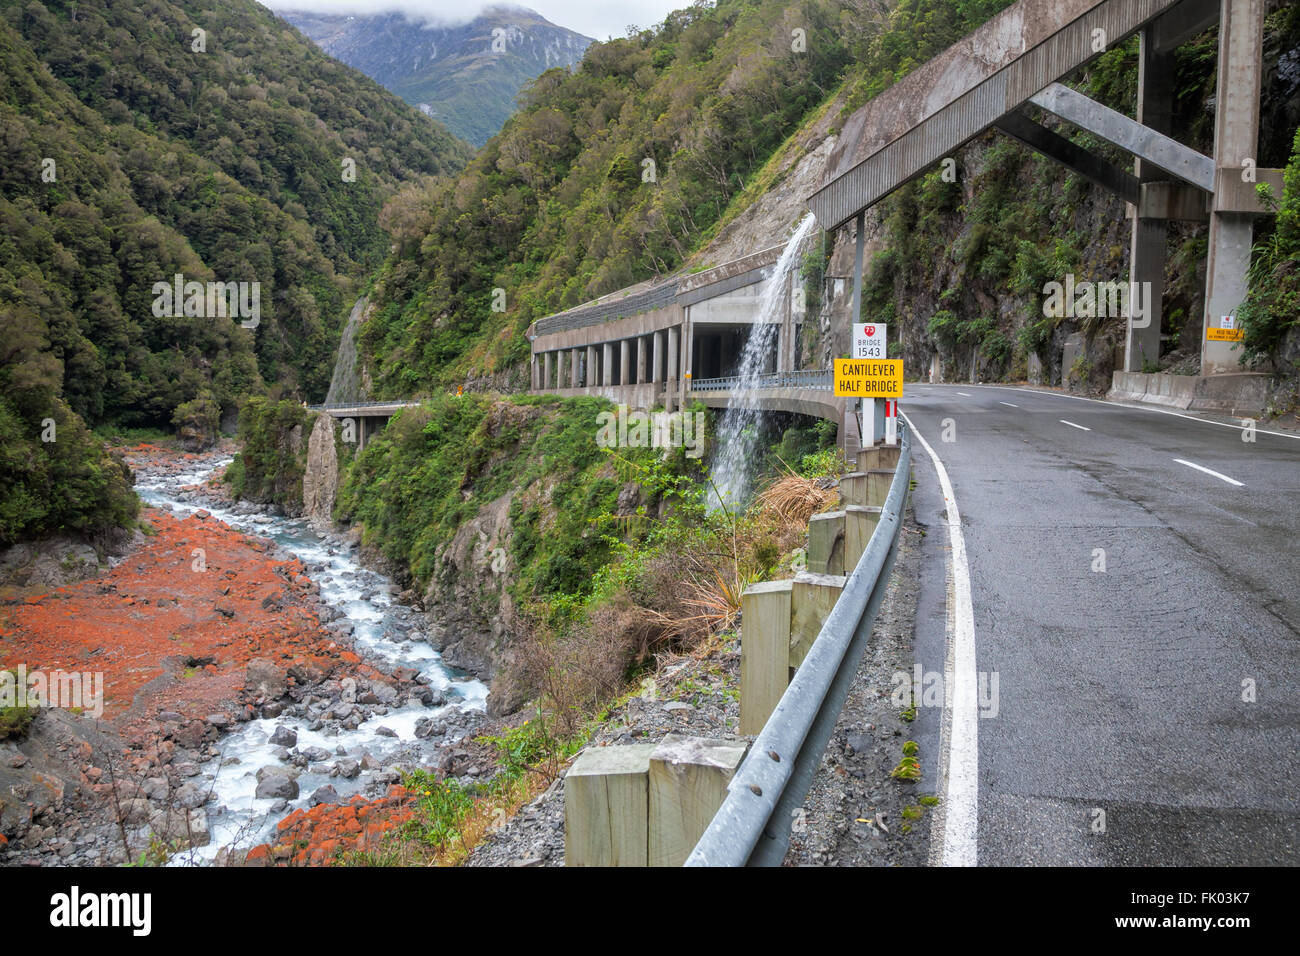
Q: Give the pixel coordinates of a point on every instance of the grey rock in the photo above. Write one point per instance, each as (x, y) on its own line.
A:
(284, 737)
(325, 794)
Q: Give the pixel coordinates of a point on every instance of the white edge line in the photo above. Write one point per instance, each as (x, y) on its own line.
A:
(1140, 408)
(1073, 425)
(961, 817)
(1008, 404)
(1209, 471)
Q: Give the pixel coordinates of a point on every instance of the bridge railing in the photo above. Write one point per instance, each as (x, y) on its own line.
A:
(800, 378)
(752, 827)
(337, 405)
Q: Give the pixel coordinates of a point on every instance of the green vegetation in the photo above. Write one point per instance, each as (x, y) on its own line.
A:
(604, 177)
(14, 720)
(1272, 310)
(130, 157)
(57, 478)
(273, 455)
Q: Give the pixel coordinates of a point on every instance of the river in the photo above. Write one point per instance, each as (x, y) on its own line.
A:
(384, 632)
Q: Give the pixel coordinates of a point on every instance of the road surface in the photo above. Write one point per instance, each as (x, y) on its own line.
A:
(1134, 601)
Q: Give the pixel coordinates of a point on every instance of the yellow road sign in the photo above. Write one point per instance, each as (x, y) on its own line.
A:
(1224, 335)
(869, 378)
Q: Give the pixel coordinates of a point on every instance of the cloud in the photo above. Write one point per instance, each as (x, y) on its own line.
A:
(594, 18)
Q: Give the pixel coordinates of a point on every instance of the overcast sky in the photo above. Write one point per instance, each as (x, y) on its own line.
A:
(595, 18)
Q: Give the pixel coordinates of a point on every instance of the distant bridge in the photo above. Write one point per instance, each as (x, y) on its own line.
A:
(804, 392)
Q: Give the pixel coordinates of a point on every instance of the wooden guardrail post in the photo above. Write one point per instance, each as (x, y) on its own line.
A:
(607, 807)
(859, 523)
(812, 597)
(764, 651)
(879, 456)
(826, 543)
(868, 488)
(688, 782)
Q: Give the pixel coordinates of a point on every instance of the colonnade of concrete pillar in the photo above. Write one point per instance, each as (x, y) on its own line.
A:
(656, 358)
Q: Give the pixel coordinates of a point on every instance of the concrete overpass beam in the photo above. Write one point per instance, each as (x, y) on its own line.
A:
(1142, 141)
(1070, 155)
(1236, 140)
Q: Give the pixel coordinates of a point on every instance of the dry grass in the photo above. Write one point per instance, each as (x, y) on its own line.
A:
(795, 499)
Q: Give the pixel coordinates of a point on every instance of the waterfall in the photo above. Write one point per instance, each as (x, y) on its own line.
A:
(738, 429)
(345, 385)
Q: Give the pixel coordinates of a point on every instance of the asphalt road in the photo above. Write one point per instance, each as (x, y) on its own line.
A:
(1125, 691)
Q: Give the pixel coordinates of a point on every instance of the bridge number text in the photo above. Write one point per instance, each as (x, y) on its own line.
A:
(868, 341)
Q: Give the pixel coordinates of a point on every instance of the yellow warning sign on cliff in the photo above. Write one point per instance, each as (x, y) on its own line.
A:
(869, 378)
(1224, 335)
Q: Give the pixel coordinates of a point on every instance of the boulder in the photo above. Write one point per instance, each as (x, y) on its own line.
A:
(277, 785)
(284, 737)
(266, 679)
(325, 794)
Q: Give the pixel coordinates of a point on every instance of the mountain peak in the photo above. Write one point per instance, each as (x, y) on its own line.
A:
(465, 74)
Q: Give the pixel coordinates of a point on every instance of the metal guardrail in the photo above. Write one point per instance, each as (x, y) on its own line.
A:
(752, 827)
(801, 378)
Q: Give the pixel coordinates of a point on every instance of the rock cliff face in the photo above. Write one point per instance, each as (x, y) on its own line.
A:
(468, 597)
(320, 482)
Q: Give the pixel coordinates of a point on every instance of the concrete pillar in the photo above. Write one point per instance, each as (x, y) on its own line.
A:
(547, 380)
(640, 358)
(591, 375)
(532, 373)
(607, 364)
(1236, 139)
(575, 368)
(624, 361)
(671, 396)
(867, 438)
(1149, 238)
(657, 359)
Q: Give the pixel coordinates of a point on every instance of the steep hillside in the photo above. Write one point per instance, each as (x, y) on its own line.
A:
(734, 127)
(605, 177)
(131, 156)
(465, 75)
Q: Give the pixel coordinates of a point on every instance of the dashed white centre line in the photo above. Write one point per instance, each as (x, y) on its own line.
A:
(1209, 471)
(967, 394)
(1073, 425)
(1008, 404)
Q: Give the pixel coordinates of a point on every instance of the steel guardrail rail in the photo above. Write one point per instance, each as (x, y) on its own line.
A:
(800, 378)
(752, 827)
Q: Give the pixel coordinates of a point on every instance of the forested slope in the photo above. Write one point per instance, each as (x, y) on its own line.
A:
(128, 155)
